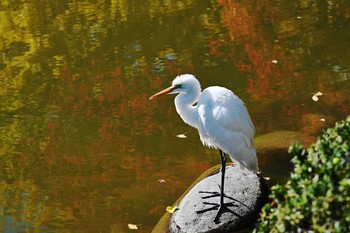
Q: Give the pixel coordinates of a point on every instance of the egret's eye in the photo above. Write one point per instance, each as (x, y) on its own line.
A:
(177, 86)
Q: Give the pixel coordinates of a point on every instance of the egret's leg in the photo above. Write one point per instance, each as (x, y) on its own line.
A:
(222, 207)
(223, 170)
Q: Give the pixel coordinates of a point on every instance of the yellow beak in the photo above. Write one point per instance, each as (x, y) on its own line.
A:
(163, 92)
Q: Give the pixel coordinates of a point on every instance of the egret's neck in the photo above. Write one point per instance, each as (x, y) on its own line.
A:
(184, 107)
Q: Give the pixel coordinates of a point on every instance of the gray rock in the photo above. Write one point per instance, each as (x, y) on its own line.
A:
(246, 190)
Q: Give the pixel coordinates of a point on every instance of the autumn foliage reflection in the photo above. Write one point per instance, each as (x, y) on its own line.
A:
(267, 50)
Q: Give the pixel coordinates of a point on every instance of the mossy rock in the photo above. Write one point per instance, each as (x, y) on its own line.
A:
(279, 141)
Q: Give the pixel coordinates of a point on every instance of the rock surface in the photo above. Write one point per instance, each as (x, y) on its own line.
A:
(278, 142)
(245, 190)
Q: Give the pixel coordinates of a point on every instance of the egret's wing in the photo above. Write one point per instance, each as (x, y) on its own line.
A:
(223, 122)
(235, 118)
(230, 111)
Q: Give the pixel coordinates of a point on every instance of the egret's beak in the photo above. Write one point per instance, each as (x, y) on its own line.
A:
(163, 92)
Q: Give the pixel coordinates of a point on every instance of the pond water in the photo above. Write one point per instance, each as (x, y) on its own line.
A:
(82, 149)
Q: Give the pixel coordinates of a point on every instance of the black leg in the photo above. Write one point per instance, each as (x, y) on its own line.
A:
(223, 170)
(222, 187)
(221, 207)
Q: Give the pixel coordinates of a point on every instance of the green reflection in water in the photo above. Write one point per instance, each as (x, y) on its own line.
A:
(82, 148)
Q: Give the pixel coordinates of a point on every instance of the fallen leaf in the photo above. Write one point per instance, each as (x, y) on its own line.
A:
(181, 136)
(322, 119)
(161, 181)
(132, 226)
(318, 93)
(171, 209)
(274, 61)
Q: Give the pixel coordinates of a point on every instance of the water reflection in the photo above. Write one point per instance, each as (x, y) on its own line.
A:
(83, 150)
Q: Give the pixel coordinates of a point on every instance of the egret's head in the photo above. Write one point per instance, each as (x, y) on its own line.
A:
(185, 83)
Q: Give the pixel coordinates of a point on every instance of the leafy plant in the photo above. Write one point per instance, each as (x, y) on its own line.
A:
(316, 198)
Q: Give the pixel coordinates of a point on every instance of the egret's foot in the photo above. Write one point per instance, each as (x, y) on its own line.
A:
(218, 194)
(221, 209)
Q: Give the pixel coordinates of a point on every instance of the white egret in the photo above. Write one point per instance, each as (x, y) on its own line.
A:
(222, 121)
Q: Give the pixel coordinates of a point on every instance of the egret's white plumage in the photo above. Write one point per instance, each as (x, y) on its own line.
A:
(219, 115)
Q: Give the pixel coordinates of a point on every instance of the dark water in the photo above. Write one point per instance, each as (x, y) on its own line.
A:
(82, 149)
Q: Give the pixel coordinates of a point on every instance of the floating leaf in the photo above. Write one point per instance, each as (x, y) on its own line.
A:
(132, 226)
(181, 135)
(171, 209)
(318, 93)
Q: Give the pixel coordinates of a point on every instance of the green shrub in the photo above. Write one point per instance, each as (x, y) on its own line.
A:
(316, 197)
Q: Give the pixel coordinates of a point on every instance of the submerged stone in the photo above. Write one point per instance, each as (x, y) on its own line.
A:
(246, 193)
(278, 142)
